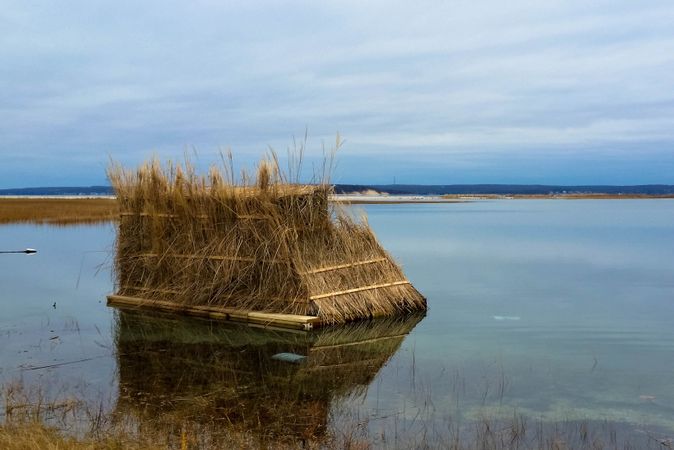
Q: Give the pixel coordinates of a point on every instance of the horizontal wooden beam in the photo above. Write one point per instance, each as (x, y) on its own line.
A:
(360, 289)
(343, 266)
(176, 292)
(291, 321)
(211, 257)
(197, 216)
(140, 288)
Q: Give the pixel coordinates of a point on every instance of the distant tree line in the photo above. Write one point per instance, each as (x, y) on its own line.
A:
(411, 189)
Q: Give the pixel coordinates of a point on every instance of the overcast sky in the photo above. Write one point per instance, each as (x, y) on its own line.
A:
(557, 92)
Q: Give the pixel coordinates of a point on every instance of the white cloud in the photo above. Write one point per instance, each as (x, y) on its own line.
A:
(603, 131)
(445, 75)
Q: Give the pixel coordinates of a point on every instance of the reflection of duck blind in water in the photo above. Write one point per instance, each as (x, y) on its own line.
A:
(212, 372)
(269, 247)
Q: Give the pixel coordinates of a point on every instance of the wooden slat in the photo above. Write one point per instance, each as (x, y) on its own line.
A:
(343, 266)
(360, 289)
(211, 257)
(139, 288)
(251, 217)
(198, 216)
(129, 214)
(292, 321)
(175, 292)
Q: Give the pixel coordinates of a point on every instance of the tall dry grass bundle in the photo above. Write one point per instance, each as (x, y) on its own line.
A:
(264, 243)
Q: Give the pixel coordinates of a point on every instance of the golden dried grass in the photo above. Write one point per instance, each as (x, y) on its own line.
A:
(57, 211)
(263, 243)
(36, 435)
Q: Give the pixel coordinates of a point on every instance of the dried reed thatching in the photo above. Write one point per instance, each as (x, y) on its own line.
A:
(267, 244)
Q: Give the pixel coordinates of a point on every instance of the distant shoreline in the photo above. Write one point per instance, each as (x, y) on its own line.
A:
(371, 199)
(411, 190)
(59, 197)
(57, 210)
(557, 197)
(379, 199)
(72, 209)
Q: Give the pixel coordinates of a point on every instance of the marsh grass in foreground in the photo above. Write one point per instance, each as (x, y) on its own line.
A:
(57, 211)
(47, 425)
(194, 384)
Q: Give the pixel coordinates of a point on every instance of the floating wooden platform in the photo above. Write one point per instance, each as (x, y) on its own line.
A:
(290, 321)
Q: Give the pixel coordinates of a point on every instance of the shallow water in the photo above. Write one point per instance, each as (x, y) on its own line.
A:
(557, 310)
(55, 330)
(563, 310)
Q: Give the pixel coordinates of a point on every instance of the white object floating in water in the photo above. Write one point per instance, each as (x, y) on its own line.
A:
(506, 317)
(293, 358)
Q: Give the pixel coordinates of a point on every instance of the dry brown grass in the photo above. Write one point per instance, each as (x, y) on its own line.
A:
(59, 211)
(35, 435)
(354, 433)
(264, 243)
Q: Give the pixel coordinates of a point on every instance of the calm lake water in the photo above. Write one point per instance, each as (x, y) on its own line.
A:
(559, 311)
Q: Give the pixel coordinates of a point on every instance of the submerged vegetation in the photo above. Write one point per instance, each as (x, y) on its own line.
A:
(187, 383)
(196, 384)
(269, 242)
(264, 243)
(171, 371)
(57, 211)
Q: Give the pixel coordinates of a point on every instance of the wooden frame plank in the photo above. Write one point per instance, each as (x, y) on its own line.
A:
(360, 289)
(198, 216)
(291, 321)
(175, 292)
(212, 257)
(147, 289)
(343, 266)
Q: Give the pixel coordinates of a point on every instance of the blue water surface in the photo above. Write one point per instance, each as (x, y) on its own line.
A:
(555, 309)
